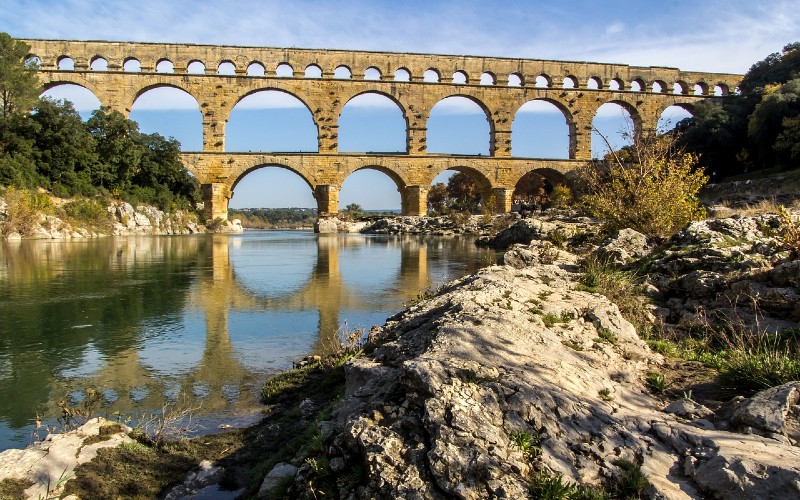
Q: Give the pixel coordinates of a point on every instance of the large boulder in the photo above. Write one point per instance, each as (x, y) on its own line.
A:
(624, 247)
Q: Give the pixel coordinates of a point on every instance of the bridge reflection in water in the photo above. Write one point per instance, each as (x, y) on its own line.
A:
(252, 304)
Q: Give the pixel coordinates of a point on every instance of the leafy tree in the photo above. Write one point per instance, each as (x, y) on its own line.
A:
(19, 86)
(354, 210)
(65, 150)
(119, 154)
(767, 121)
(651, 187)
(463, 192)
(437, 198)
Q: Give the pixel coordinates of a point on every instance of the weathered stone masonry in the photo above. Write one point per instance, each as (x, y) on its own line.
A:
(629, 86)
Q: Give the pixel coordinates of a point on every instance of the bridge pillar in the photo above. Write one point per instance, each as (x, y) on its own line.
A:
(328, 141)
(417, 140)
(501, 143)
(215, 198)
(414, 200)
(213, 132)
(580, 139)
(501, 200)
(327, 196)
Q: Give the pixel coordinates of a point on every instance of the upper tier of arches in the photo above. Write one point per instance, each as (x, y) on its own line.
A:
(380, 66)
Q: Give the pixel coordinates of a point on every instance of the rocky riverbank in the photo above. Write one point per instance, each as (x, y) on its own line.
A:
(118, 219)
(521, 378)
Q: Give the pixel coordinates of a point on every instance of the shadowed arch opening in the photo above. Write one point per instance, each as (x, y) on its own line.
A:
(284, 70)
(458, 188)
(460, 78)
(488, 78)
(171, 112)
(594, 83)
(615, 84)
(700, 88)
(542, 81)
(83, 100)
(570, 82)
(721, 89)
(540, 130)
(372, 122)
(430, 76)
(515, 80)
(533, 190)
(637, 85)
(271, 120)
(658, 87)
(372, 187)
(272, 186)
(671, 116)
(458, 125)
(614, 124)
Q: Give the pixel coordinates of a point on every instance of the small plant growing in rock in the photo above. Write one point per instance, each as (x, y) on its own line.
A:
(605, 394)
(606, 335)
(557, 237)
(657, 382)
(572, 345)
(527, 443)
(789, 231)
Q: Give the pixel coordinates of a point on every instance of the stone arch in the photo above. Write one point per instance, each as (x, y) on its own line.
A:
(343, 72)
(599, 143)
(460, 78)
(185, 121)
(402, 75)
(32, 60)
(278, 88)
(399, 106)
(372, 73)
(519, 126)
(570, 82)
(701, 88)
(637, 85)
(670, 115)
(155, 83)
(616, 84)
(488, 78)
(432, 75)
(313, 71)
(226, 67)
(543, 177)
(658, 87)
(164, 65)
(69, 80)
(680, 87)
(475, 100)
(543, 81)
(284, 70)
(516, 80)
(85, 100)
(720, 89)
(65, 63)
(98, 63)
(396, 175)
(254, 164)
(594, 83)
(132, 65)
(196, 67)
(256, 68)
(483, 183)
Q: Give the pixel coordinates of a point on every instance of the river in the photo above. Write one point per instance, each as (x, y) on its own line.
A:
(195, 320)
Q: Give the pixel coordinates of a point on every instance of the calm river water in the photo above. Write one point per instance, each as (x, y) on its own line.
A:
(153, 320)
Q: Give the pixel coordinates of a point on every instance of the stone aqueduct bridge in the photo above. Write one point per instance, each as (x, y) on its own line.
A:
(498, 85)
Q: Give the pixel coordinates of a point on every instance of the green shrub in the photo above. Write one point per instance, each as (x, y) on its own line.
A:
(90, 214)
(24, 210)
(561, 196)
(620, 287)
(650, 187)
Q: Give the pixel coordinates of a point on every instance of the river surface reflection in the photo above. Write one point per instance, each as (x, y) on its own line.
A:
(151, 320)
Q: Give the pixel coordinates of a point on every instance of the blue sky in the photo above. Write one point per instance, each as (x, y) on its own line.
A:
(712, 35)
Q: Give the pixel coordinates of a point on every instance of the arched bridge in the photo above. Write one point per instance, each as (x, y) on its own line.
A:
(325, 80)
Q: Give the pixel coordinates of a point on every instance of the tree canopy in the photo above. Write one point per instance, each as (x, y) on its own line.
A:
(45, 143)
(757, 128)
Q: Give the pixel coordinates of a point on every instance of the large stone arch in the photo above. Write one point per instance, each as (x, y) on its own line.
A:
(403, 107)
(290, 90)
(568, 118)
(397, 175)
(159, 82)
(438, 97)
(255, 163)
(70, 79)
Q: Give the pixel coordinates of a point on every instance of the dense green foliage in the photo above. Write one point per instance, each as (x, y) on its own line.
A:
(759, 128)
(44, 143)
(19, 87)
